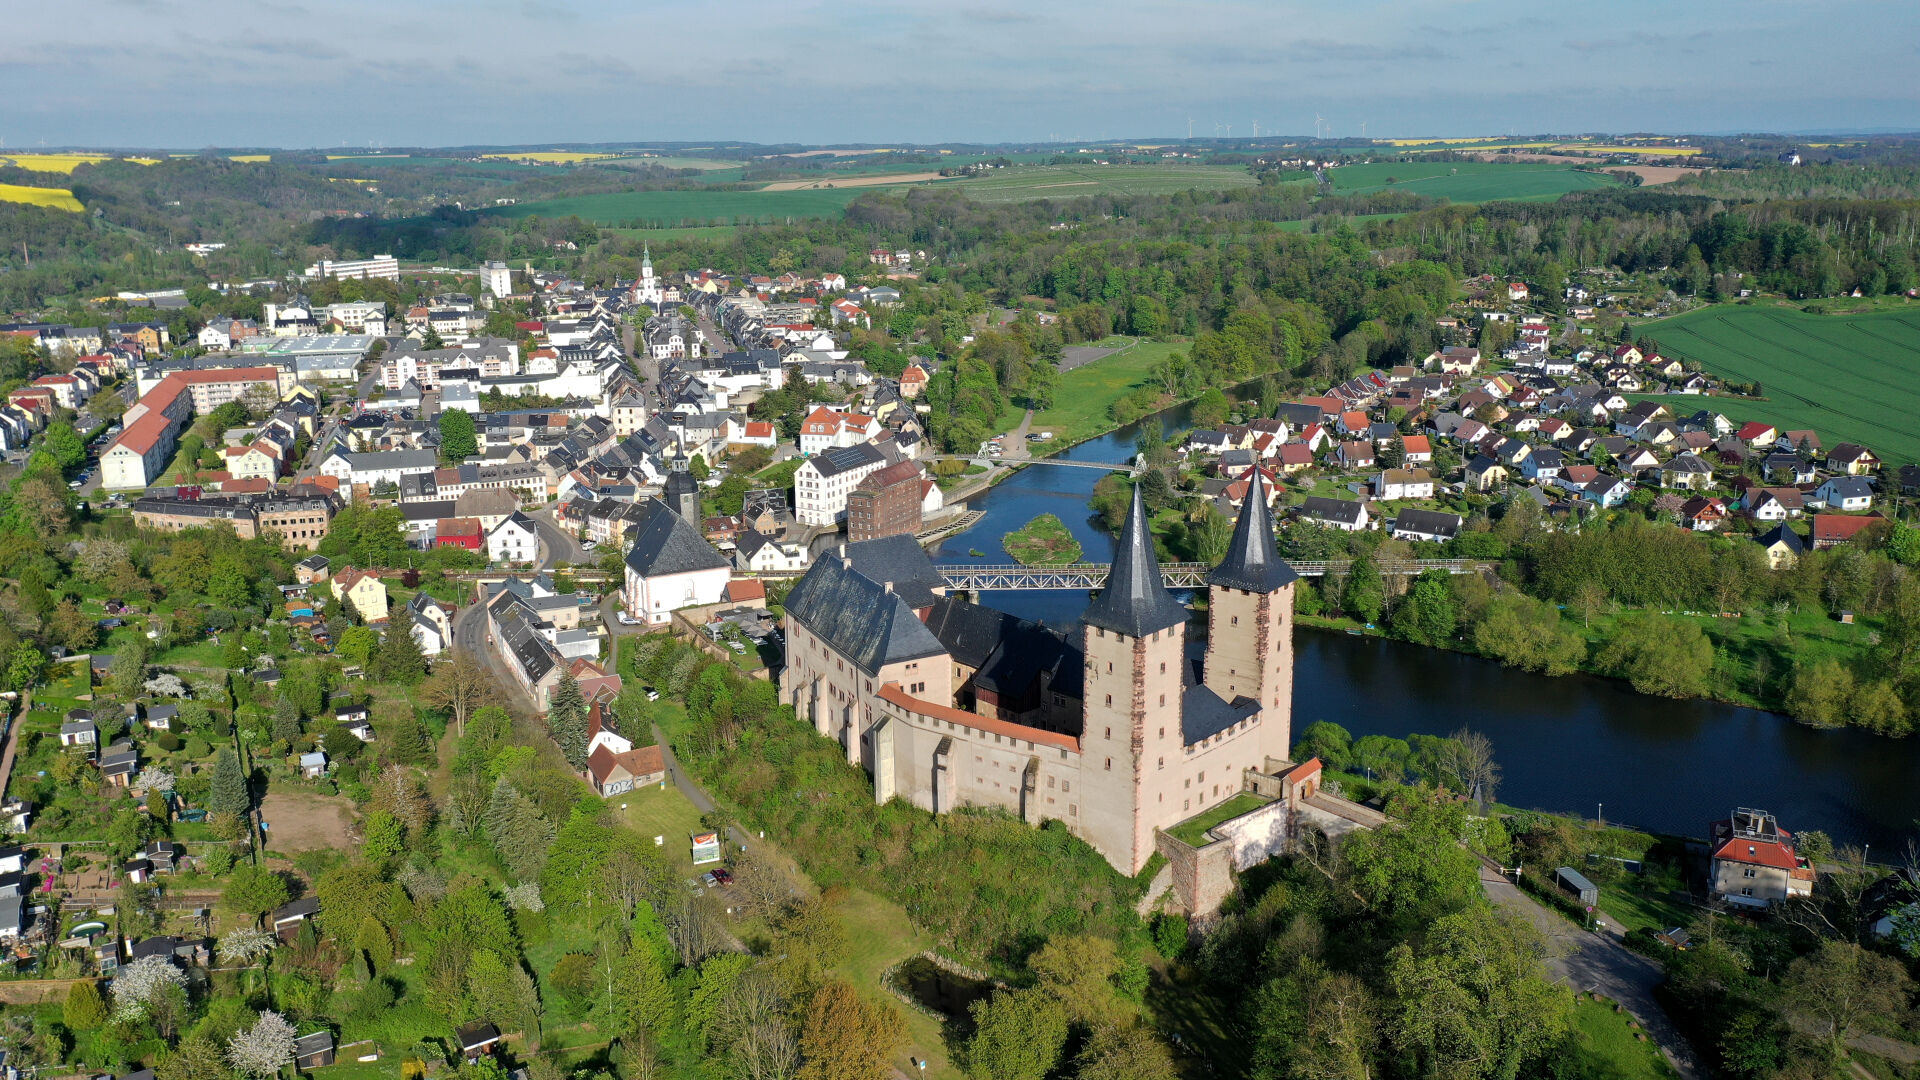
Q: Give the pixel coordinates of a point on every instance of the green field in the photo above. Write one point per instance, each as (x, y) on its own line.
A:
(1074, 181)
(1466, 181)
(1852, 378)
(682, 208)
(1081, 401)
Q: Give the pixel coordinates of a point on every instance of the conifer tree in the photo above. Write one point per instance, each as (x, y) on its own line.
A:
(228, 793)
(399, 658)
(567, 720)
(518, 830)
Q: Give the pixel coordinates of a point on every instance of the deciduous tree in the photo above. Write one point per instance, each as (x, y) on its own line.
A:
(846, 1038)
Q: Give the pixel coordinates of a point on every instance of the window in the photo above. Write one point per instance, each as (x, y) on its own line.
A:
(1748, 872)
(1163, 667)
(1163, 733)
(1109, 730)
(1163, 763)
(1109, 705)
(1109, 764)
(1163, 701)
(1235, 621)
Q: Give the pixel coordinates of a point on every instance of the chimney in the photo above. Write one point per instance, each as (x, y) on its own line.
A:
(887, 585)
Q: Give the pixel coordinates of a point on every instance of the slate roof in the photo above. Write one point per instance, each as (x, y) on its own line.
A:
(666, 543)
(1783, 534)
(521, 632)
(1430, 522)
(859, 616)
(1007, 652)
(1253, 562)
(901, 560)
(1135, 601)
(1204, 714)
(1325, 509)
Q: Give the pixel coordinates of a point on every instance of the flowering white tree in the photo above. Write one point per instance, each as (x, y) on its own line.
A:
(166, 686)
(154, 778)
(246, 944)
(262, 1049)
(524, 897)
(138, 983)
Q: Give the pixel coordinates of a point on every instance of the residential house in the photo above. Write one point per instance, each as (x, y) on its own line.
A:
(616, 772)
(1335, 513)
(1755, 863)
(1543, 464)
(1832, 530)
(1704, 513)
(1416, 449)
(1355, 455)
(1847, 493)
(364, 590)
(1783, 547)
(1758, 434)
(1852, 459)
(1773, 504)
(1437, 525)
(1688, 472)
(1484, 473)
(1403, 484)
(514, 540)
(758, 553)
(821, 485)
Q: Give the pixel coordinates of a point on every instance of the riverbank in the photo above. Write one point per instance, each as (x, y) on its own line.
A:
(1754, 654)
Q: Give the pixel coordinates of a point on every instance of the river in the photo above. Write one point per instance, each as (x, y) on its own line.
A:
(1568, 745)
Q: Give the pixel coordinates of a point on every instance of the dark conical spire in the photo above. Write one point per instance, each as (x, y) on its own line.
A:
(1135, 601)
(1252, 562)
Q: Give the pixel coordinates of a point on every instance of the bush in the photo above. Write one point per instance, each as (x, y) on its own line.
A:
(167, 741)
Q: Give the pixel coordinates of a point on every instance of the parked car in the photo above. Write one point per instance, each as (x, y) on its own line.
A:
(721, 876)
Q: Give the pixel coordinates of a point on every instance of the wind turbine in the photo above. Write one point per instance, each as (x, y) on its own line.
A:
(1256, 129)
(1317, 121)
(1229, 131)
(1189, 126)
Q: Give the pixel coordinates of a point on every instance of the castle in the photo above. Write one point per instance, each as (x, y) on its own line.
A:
(1114, 730)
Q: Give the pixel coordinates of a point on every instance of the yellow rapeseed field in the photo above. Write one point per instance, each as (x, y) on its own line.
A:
(57, 198)
(253, 159)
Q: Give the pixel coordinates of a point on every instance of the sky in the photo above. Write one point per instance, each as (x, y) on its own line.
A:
(185, 74)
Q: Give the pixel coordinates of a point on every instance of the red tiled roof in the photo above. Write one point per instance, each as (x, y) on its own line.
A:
(892, 693)
(1841, 527)
(759, 429)
(1754, 429)
(746, 589)
(1416, 444)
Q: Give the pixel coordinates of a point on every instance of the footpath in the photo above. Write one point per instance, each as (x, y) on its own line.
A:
(1599, 962)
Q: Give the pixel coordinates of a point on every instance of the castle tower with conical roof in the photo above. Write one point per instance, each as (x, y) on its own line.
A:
(1250, 622)
(1134, 636)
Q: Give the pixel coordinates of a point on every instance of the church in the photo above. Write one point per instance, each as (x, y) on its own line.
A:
(1114, 729)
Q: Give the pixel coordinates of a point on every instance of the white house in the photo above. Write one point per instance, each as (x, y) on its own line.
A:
(1403, 484)
(515, 540)
(1845, 493)
(758, 553)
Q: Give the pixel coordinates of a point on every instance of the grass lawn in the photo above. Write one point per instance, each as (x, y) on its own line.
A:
(656, 811)
(1075, 181)
(1045, 539)
(1607, 1049)
(879, 935)
(1852, 378)
(1467, 181)
(1081, 401)
(779, 474)
(1193, 831)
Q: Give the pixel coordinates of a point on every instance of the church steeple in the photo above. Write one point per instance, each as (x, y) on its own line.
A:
(1252, 562)
(1135, 601)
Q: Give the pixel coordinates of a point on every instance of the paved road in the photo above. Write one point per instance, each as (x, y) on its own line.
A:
(556, 544)
(1599, 961)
